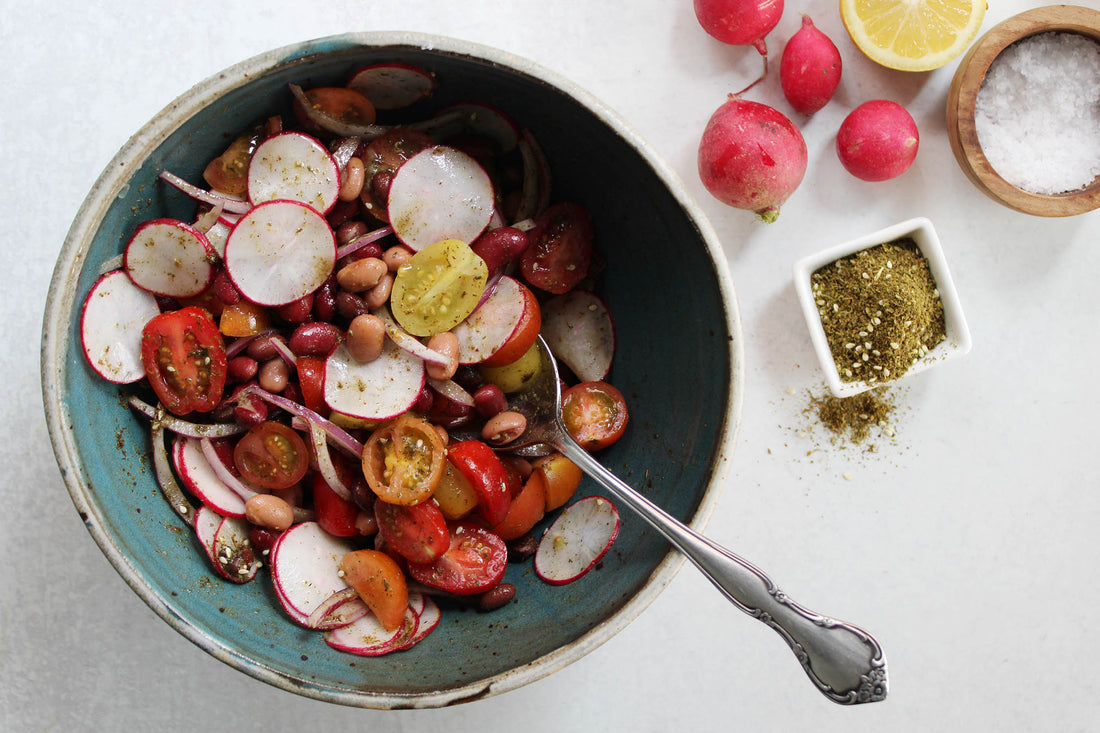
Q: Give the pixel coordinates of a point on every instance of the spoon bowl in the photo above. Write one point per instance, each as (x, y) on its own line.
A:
(844, 662)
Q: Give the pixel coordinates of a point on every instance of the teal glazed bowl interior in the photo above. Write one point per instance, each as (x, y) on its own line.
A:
(678, 362)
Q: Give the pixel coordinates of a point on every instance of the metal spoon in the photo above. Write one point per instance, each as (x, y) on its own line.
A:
(844, 662)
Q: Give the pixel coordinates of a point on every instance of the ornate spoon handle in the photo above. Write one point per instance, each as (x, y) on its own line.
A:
(844, 662)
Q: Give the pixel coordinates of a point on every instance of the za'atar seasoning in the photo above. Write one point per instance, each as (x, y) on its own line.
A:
(880, 309)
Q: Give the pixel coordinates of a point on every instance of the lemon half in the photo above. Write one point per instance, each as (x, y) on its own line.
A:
(912, 35)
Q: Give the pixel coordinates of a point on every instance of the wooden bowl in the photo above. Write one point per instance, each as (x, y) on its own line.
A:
(962, 98)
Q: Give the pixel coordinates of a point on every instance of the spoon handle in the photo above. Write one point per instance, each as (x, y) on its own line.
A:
(844, 662)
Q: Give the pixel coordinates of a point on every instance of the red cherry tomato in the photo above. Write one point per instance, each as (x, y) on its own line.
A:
(271, 455)
(560, 251)
(418, 533)
(474, 562)
(311, 380)
(184, 358)
(594, 413)
(523, 335)
(335, 514)
(482, 468)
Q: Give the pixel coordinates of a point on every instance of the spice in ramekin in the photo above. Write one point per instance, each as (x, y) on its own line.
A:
(881, 311)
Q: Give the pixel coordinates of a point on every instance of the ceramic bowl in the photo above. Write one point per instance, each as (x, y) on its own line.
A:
(678, 361)
(962, 101)
(957, 341)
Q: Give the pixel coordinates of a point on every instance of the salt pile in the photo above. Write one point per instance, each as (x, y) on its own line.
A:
(1038, 113)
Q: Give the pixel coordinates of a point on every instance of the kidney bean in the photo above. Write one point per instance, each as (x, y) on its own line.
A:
(366, 523)
(341, 212)
(241, 368)
(446, 343)
(274, 375)
(489, 400)
(297, 311)
(380, 187)
(249, 411)
(268, 510)
(350, 305)
(224, 289)
(469, 378)
(352, 185)
(500, 246)
(324, 300)
(522, 548)
(396, 256)
(349, 231)
(361, 275)
(262, 539)
(424, 400)
(315, 339)
(366, 337)
(504, 427)
(379, 295)
(261, 349)
(496, 598)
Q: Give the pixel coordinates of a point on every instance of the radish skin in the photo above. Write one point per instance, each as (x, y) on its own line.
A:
(810, 69)
(877, 141)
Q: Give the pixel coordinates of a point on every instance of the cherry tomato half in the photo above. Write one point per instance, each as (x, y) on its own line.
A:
(345, 105)
(418, 533)
(483, 469)
(474, 562)
(560, 251)
(271, 455)
(228, 172)
(311, 380)
(594, 413)
(403, 461)
(184, 359)
(378, 580)
(335, 514)
(438, 287)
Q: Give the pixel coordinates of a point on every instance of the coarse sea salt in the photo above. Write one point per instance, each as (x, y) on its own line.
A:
(1037, 114)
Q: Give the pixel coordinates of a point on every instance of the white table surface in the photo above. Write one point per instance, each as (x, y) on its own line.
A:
(966, 544)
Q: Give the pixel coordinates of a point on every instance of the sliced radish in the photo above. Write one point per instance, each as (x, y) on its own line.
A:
(406, 340)
(293, 166)
(305, 565)
(491, 325)
(377, 390)
(428, 618)
(169, 257)
(111, 322)
(577, 539)
(368, 637)
(578, 329)
(340, 609)
(439, 193)
(483, 119)
(279, 252)
(393, 85)
(218, 235)
(234, 558)
(535, 195)
(201, 479)
(207, 522)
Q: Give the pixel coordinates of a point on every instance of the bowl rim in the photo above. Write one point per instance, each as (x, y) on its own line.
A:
(61, 299)
(958, 340)
(962, 101)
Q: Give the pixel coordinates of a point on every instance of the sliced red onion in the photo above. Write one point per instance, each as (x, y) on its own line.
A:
(452, 391)
(336, 126)
(284, 351)
(490, 287)
(171, 489)
(110, 265)
(357, 244)
(344, 152)
(210, 218)
(340, 437)
(240, 344)
(185, 427)
(232, 206)
(319, 438)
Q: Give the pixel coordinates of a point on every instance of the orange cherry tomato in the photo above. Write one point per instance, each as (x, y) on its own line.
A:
(271, 455)
(378, 580)
(403, 461)
(526, 509)
(346, 105)
(562, 478)
(594, 413)
(454, 494)
(244, 318)
(228, 173)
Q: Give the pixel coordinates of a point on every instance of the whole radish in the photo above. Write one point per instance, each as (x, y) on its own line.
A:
(751, 156)
(810, 69)
(740, 23)
(877, 141)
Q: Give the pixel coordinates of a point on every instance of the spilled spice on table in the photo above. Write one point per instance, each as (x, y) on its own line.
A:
(851, 419)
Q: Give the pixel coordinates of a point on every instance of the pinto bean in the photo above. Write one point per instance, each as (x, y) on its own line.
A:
(445, 343)
(361, 275)
(352, 185)
(396, 256)
(274, 375)
(268, 510)
(366, 337)
(504, 427)
(379, 295)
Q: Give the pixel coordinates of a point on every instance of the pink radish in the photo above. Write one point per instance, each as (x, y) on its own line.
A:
(234, 558)
(439, 193)
(877, 141)
(305, 564)
(111, 322)
(577, 539)
(751, 156)
(393, 85)
(293, 166)
(740, 23)
(378, 390)
(366, 636)
(340, 609)
(280, 251)
(578, 329)
(488, 328)
(810, 69)
(201, 479)
(169, 257)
